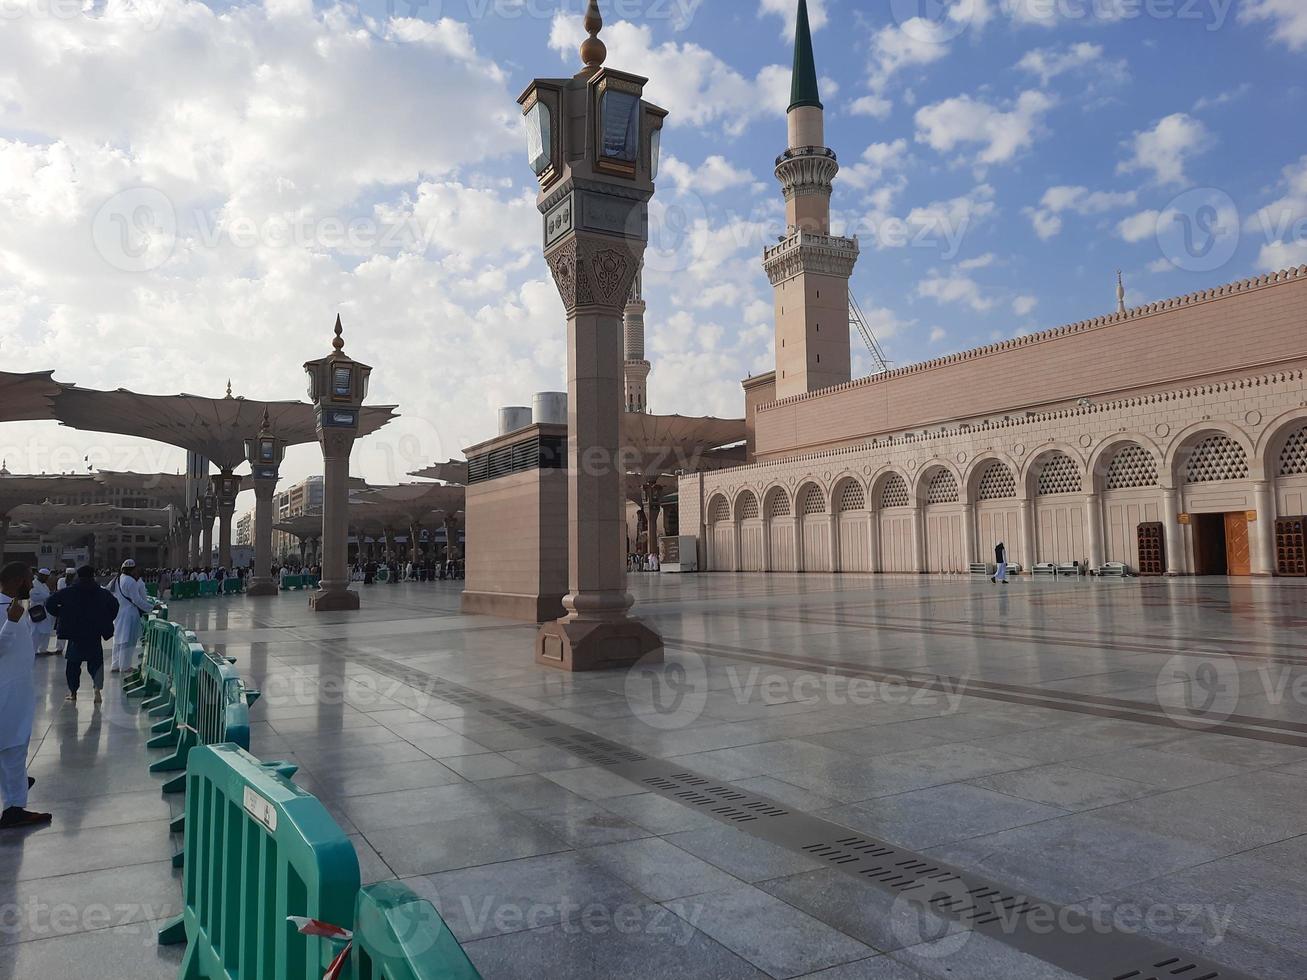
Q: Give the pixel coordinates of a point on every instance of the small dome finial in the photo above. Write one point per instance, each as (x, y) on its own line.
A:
(593, 51)
(1120, 292)
(339, 342)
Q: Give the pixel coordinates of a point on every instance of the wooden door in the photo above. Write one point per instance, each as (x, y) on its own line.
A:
(1291, 546)
(1238, 560)
(1152, 549)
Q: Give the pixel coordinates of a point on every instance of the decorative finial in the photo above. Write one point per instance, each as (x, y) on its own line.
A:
(1120, 292)
(339, 342)
(266, 425)
(593, 50)
(229, 387)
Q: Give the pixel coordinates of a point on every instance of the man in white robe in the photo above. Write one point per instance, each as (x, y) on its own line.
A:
(44, 630)
(17, 698)
(133, 602)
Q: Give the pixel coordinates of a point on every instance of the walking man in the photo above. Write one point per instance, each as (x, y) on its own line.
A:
(42, 622)
(1000, 559)
(86, 618)
(133, 603)
(17, 698)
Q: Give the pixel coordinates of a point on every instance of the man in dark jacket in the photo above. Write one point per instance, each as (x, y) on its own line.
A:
(86, 613)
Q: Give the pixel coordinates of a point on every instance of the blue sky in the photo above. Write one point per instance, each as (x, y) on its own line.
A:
(189, 192)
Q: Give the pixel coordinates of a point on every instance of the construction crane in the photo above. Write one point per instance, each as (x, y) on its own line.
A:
(880, 363)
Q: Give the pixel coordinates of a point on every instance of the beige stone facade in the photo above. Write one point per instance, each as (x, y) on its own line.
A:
(1035, 455)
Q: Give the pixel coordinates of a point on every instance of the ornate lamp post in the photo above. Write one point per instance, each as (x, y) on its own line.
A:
(208, 512)
(264, 453)
(337, 386)
(593, 144)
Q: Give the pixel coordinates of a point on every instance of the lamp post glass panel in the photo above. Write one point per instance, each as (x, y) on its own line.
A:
(338, 384)
(264, 454)
(593, 145)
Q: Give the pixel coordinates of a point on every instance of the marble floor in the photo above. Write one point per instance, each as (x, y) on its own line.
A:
(1135, 747)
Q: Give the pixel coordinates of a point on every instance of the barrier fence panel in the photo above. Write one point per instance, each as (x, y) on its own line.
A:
(258, 849)
(398, 936)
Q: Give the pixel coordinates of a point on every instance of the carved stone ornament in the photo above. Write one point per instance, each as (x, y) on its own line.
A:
(593, 273)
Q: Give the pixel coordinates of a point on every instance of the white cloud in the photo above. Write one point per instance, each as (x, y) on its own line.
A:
(1001, 133)
(1139, 226)
(877, 160)
(979, 262)
(1282, 255)
(1167, 147)
(1049, 63)
(1024, 305)
(897, 47)
(1223, 98)
(875, 106)
(713, 176)
(1047, 218)
(954, 288)
(937, 334)
(1288, 17)
(694, 84)
(1283, 223)
(1051, 13)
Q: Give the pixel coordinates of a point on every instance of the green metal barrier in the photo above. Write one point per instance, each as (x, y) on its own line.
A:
(311, 581)
(151, 676)
(152, 589)
(398, 936)
(232, 586)
(185, 590)
(258, 848)
(209, 588)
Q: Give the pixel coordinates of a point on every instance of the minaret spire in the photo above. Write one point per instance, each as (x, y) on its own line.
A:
(803, 86)
(637, 367)
(1120, 292)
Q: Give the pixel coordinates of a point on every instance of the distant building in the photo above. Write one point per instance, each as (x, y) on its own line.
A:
(245, 530)
(303, 498)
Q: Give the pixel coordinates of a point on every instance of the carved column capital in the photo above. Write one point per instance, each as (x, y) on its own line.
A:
(595, 273)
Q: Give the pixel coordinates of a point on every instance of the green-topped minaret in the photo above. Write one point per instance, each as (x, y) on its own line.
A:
(810, 268)
(803, 87)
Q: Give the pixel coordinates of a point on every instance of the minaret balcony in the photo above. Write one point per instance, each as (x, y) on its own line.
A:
(806, 151)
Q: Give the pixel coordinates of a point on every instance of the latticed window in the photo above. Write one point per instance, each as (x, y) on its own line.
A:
(747, 506)
(895, 492)
(996, 483)
(719, 511)
(813, 501)
(942, 488)
(778, 505)
(1058, 474)
(1218, 457)
(852, 497)
(1293, 459)
(1134, 466)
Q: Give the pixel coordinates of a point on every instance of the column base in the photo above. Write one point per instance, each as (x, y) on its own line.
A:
(262, 589)
(578, 645)
(337, 600)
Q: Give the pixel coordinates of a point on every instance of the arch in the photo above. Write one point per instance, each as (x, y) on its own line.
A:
(1065, 468)
(991, 477)
(746, 505)
(810, 500)
(776, 502)
(1100, 458)
(892, 491)
(939, 484)
(849, 495)
(719, 509)
(852, 536)
(1185, 441)
(1213, 458)
(1286, 433)
(779, 529)
(876, 485)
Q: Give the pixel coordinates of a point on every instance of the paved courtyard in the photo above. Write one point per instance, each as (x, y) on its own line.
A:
(1134, 752)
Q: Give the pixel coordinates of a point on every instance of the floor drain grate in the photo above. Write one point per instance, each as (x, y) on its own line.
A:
(1174, 967)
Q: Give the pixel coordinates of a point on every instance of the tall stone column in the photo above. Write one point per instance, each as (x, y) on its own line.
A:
(261, 583)
(653, 506)
(918, 539)
(1029, 542)
(414, 542)
(1094, 529)
(1263, 529)
(4, 536)
(206, 542)
(451, 537)
(226, 510)
(1173, 531)
(193, 547)
(873, 541)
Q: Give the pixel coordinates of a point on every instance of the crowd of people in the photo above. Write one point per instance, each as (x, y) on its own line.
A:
(394, 572)
(79, 614)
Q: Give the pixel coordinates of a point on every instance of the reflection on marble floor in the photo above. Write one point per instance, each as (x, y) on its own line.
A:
(1056, 736)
